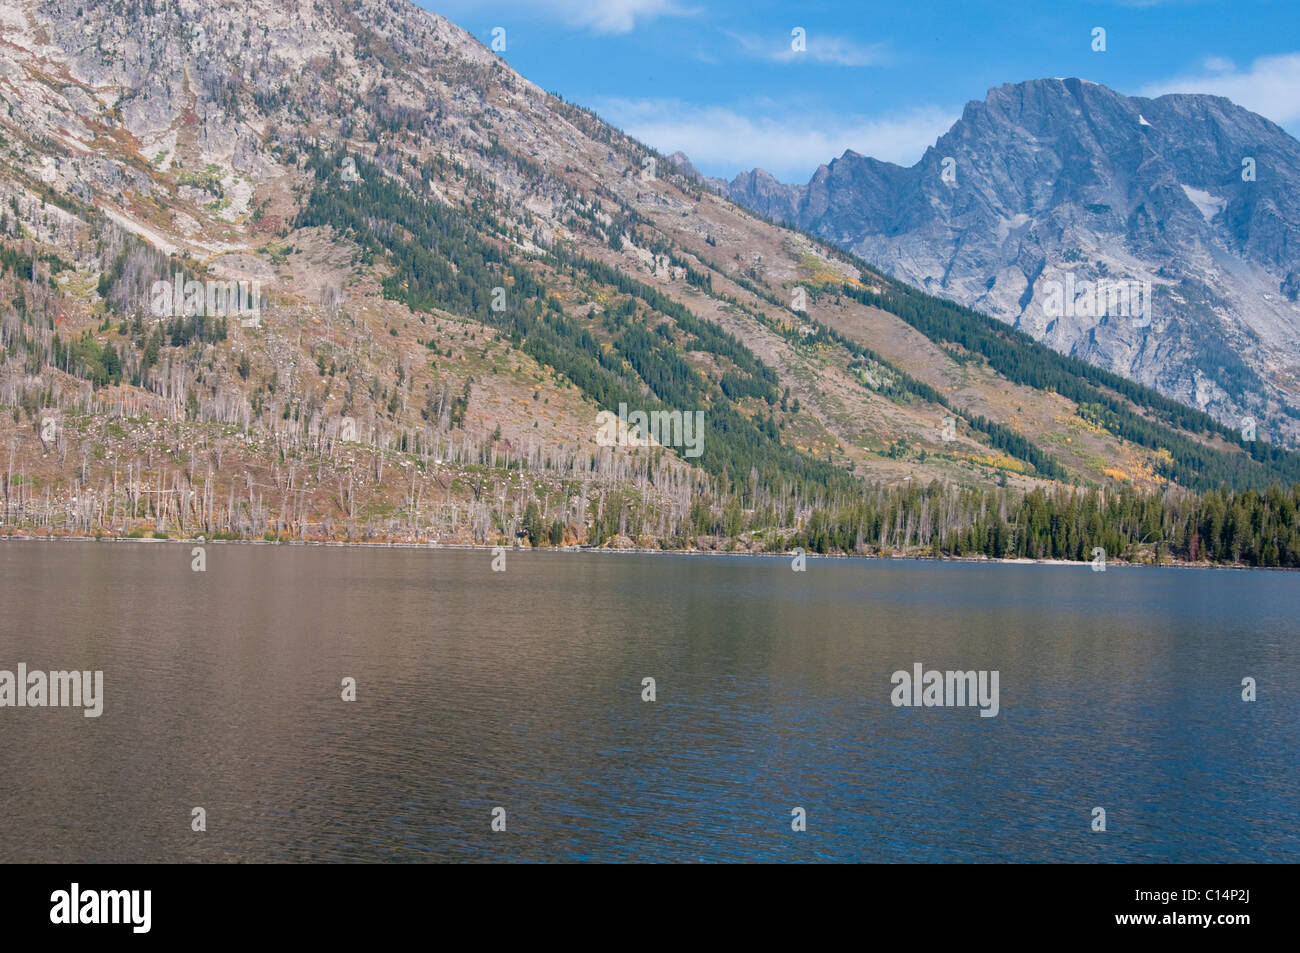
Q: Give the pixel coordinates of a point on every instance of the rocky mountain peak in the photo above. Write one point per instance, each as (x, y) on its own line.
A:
(1055, 179)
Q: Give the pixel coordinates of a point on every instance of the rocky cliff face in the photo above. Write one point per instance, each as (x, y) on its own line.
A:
(1058, 186)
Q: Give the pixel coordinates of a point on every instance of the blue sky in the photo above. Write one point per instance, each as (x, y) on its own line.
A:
(719, 79)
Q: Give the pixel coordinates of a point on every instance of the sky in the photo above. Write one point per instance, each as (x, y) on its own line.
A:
(722, 81)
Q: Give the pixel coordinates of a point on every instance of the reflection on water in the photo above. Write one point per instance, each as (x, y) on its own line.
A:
(523, 690)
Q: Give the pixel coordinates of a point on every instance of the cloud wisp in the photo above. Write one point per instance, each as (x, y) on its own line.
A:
(814, 47)
(787, 142)
(601, 16)
(1270, 86)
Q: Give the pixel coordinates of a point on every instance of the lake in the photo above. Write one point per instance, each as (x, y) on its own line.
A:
(523, 690)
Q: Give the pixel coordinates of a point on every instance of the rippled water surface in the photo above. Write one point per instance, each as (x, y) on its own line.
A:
(523, 690)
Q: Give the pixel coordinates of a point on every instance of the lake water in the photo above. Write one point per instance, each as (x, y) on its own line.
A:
(523, 690)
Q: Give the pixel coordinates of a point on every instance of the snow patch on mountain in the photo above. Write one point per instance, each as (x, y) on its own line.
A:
(1210, 205)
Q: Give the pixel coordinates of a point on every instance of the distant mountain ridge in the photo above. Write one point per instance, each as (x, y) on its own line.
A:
(1059, 181)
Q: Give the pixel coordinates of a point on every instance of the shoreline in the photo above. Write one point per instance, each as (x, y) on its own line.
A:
(636, 551)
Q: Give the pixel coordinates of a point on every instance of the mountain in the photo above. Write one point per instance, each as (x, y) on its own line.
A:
(332, 270)
(1062, 183)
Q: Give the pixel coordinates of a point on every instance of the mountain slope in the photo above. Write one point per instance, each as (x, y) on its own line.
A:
(460, 273)
(1053, 185)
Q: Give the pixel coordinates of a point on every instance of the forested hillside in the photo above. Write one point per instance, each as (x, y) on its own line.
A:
(458, 273)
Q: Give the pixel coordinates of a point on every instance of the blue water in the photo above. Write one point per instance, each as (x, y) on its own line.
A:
(523, 690)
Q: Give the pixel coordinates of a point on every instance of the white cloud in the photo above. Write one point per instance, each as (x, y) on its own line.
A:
(790, 145)
(1270, 86)
(607, 16)
(819, 48)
